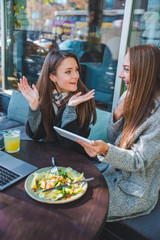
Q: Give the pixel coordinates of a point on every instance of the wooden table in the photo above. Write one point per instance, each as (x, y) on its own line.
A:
(23, 218)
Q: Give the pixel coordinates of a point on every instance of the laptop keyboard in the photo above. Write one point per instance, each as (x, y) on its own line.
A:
(7, 176)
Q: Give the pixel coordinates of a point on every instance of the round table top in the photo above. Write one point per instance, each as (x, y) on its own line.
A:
(22, 217)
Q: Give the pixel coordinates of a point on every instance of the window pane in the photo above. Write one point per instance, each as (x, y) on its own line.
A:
(145, 27)
(90, 29)
(0, 52)
(145, 24)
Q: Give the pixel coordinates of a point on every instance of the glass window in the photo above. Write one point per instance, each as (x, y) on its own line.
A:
(0, 52)
(145, 24)
(90, 29)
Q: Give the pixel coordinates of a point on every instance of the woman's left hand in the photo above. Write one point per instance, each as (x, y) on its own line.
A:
(97, 147)
(78, 98)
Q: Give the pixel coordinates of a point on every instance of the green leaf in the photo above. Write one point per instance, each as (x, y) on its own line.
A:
(46, 1)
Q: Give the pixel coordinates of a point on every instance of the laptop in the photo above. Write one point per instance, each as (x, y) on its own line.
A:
(12, 170)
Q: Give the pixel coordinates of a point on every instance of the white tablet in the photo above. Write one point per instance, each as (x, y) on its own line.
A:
(70, 135)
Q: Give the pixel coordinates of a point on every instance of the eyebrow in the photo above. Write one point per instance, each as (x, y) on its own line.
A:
(126, 65)
(71, 68)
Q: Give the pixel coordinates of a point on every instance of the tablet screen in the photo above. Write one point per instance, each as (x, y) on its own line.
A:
(70, 135)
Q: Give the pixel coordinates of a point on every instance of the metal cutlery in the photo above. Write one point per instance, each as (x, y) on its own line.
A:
(54, 169)
(68, 184)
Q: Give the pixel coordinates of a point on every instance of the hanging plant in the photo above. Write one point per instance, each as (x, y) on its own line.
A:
(19, 13)
(45, 1)
(19, 10)
(158, 21)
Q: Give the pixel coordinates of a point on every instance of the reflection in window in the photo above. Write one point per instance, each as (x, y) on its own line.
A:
(109, 3)
(90, 29)
(0, 53)
(145, 26)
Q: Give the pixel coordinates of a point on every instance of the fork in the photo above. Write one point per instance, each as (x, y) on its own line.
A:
(54, 169)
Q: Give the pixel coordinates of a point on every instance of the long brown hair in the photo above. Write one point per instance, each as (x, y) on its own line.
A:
(143, 84)
(45, 87)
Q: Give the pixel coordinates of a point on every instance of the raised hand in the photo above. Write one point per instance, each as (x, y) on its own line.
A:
(97, 147)
(79, 98)
(30, 93)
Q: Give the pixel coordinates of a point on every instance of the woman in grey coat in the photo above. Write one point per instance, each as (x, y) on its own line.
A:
(133, 154)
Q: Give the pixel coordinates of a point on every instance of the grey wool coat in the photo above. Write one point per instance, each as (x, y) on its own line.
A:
(133, 176)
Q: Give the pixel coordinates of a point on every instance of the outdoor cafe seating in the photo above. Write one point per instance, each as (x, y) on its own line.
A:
(144, 227)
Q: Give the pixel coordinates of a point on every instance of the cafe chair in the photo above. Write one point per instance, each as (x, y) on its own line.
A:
(101, 77)
(99, 130)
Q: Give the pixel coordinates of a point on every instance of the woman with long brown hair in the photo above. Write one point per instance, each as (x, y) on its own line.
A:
(59, 99)
(133, 154)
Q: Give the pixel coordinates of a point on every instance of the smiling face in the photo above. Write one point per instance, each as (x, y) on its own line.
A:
(124, 74)
(67, 76)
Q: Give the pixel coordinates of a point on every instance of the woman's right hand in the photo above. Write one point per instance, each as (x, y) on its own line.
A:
(30, 93)
(97, 147)
(118, 112)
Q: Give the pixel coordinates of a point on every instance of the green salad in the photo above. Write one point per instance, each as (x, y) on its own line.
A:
(47, 180)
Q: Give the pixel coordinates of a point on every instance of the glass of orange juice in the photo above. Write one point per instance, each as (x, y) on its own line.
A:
(12, 140)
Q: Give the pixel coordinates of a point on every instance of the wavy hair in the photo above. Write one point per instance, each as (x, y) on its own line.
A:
(45, 88)
(143, 84)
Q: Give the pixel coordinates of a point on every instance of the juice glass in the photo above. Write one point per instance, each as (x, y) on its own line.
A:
(12, 140)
